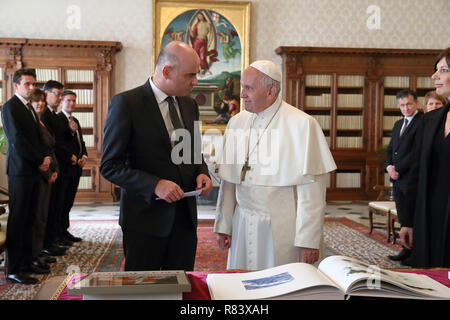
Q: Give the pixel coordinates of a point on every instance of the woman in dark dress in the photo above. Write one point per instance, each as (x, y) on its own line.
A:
(428, 195)
(48, 178)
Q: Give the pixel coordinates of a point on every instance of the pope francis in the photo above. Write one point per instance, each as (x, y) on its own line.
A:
(273, 167)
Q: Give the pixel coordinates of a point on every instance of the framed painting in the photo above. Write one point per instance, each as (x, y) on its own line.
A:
(219, 32)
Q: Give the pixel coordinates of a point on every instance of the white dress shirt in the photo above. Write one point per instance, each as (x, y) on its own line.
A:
(164, 108)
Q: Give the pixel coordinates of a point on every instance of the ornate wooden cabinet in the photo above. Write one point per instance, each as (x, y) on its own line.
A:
(82, 66)
(351, 92)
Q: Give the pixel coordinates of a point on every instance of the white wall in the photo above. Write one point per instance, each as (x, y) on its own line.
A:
(337, 23)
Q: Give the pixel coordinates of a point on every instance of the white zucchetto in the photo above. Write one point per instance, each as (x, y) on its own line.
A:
(268, 68)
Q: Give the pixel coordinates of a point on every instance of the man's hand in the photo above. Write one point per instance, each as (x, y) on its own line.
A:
(204, 183)
(392, 172)
(45, 164)
(224, 241)
(82, 162)
(168, 190)
(53, 178)
(308, 255)
(73, 126)
(406, 236)
(74, 159)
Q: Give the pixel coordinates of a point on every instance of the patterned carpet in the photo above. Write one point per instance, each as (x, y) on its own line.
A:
(208, 258)
(85, 256)
(103, 251)
(346, 237)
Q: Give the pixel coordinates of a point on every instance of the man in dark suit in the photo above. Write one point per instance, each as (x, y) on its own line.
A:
(26, 157)
(72, 156)
(400, 154)
(140, 156)
(53, 94)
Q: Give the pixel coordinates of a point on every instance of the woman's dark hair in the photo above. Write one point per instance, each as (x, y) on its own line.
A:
(444, 54)
(38, 95)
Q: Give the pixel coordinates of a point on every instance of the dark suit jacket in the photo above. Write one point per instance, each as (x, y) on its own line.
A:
(50, 120)
(25, 148)
(416, 195)
(67, 145)
(137, 154)
(400, 151)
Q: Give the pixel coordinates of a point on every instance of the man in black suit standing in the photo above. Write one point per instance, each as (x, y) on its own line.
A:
(53, 95)
(26, 157)
(400, 154)
(72, 158)
(141, 156)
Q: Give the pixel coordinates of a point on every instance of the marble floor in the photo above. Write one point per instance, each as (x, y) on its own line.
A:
(356, 211)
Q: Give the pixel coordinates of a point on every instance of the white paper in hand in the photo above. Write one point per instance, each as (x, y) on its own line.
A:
(188, 194)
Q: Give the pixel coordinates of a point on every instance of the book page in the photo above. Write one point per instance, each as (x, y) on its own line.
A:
(267, 283)
(354, 276)
(345, 270)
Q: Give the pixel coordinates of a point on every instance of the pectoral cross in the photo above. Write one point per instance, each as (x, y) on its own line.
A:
(245, 168)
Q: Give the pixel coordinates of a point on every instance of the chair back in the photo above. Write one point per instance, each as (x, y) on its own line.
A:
(384, 193)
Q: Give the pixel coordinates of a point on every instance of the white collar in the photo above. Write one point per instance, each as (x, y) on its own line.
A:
(49, 108)
(159, 94)
(411, 117)
(268, 112)
(24, 101)
(65, 113)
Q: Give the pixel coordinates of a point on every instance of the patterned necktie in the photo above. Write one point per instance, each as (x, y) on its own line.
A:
(176, 122)
(78, 137)
(405, 124)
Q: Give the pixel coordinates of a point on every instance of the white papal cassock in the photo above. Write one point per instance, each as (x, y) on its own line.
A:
(280, 204)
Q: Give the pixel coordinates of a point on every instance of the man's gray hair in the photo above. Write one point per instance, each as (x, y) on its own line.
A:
(166, 57)
(267, 82)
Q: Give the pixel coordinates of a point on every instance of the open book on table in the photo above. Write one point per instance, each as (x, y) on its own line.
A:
(337, 277)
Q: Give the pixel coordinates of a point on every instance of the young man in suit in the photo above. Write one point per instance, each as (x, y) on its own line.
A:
(140, 156)
(400, 154)
(26, 157)
(72, 158)
(53, 95)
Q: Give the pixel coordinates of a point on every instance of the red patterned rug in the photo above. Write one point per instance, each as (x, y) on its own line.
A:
(209, 257)
(102, 250)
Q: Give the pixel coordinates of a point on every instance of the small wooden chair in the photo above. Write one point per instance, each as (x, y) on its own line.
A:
(392, 218)
(383, 206)
(3, 222)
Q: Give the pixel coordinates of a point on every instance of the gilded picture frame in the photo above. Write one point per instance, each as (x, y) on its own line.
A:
(220, 33)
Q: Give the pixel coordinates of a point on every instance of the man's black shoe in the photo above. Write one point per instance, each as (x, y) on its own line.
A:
(46, 258)
(64, 243)
(54, 251)
(40, 263)
(71, 237)
(405, 253)
(36, 269)
(21, 278)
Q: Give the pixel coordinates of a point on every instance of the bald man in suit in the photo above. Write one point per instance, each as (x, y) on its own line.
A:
(140, 156)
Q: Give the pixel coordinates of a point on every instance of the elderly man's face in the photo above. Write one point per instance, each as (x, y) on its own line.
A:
(254, 94)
